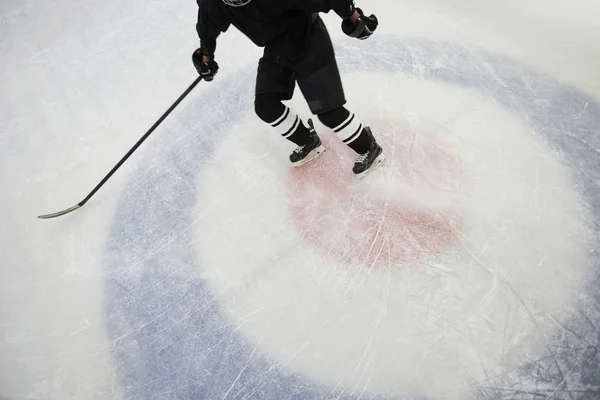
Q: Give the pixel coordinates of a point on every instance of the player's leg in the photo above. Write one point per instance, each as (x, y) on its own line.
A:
(275, 83)
(348, 127)
(320, 82)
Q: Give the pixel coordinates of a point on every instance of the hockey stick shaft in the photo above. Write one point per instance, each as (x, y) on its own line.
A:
(129, 153)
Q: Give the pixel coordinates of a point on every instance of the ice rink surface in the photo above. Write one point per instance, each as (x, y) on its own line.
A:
(467, 267)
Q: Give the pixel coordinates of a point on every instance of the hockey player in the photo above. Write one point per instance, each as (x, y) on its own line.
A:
(297, 48)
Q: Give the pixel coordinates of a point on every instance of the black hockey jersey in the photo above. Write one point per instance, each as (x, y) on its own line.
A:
(263, 21)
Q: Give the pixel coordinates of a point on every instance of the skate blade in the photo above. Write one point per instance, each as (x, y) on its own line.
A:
(378, 161)
(311, 156)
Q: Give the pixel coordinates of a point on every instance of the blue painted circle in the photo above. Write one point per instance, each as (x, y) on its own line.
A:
(171, 339)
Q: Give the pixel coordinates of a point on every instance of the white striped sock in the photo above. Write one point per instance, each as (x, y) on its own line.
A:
(287, 124)
(349, 130)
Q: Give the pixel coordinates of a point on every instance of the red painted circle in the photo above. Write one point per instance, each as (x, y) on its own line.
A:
(416, 213)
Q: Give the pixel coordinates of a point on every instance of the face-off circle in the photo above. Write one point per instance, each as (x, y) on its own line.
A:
(396, 215)
(446, 313)
(174, 333)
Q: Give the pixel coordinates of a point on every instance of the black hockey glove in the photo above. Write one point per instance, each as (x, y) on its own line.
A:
(207, 70)
(362, 28)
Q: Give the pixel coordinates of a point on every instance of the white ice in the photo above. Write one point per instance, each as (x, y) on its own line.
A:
(466, 267)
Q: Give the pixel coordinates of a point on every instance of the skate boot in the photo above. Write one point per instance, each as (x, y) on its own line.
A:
(370, 160)
(309, 151)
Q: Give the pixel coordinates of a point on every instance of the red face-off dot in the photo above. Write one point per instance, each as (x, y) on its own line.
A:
(409, 211)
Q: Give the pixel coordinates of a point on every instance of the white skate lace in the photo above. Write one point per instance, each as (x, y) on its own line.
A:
(361, 159)
(299, 149)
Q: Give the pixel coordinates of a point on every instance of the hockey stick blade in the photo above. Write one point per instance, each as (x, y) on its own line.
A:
(58, 214)
(129, 153)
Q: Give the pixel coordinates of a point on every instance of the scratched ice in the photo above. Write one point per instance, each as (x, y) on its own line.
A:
(465, 268)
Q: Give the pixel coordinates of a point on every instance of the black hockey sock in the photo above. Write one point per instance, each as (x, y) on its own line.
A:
(285, 121)
(348, 128)
(290, 126)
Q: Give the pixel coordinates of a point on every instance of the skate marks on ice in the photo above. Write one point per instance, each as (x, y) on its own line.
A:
(396, 216)
(379, 290)
(250, 287)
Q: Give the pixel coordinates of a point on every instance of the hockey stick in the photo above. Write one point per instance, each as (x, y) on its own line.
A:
(129, 153)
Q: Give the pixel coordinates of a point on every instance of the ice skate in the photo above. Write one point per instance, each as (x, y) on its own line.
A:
(308, 152)
(367, 162)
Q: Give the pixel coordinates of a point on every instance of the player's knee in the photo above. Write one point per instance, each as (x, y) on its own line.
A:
(334, 118)
(268, 107)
